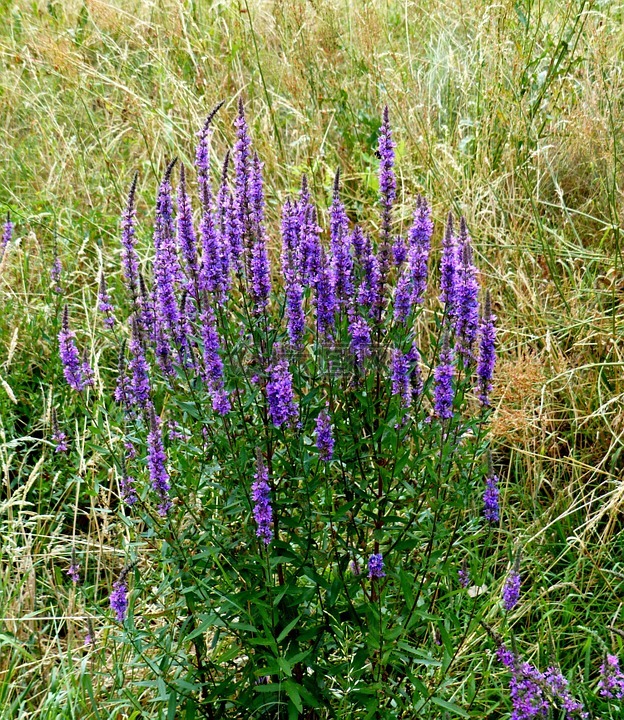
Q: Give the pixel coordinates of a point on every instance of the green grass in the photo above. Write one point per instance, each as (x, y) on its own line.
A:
(509, 112)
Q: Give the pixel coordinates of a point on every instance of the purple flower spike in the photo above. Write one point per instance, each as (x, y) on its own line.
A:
(376, 566)
(419, 247)
(511, 589)
(129, 257)
(403, 296)
(464, 576)
(360, 338)
(7, 235)
(309, 246)
(139, 390)
(228, 251)
(104, 304)
(467, 323)
(325, 298)
(324, 436)
(242, 165)
(280, 397)
(387, 180)
(294, 292)
(449, 271)
(491, 506)
(341, 261)
(413, 356)
(202, 157)
(401, 384)
(156, 460)
(260, 273)
(167, 275)
(487, 352)
(186, 232)
(261, 497)
(213, 365)
(611, 683)
(370, 289)
(443, 376)
(119, 597)
(58, 436)
(72, 367)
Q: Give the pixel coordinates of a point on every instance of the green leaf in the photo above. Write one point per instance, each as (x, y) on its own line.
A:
(287, 629)
(451, 707)
(292, 690)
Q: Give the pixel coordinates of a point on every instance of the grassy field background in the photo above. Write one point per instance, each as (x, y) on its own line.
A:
(510, 112)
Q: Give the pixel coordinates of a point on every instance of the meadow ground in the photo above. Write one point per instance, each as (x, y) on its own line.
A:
(511, 113)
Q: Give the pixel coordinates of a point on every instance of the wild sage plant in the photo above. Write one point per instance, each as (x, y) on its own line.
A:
(325, 467)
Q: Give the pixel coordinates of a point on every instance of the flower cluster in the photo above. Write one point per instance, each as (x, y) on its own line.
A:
(534, 693)
(261, 497)
(611, 683)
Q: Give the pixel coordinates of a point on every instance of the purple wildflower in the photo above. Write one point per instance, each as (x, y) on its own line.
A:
(403, 296)
(309, 246)
(213, 365)
(119, 597)
(72, 367)
(399, 250)
(139, 390)
(259, 268)
(467, 323)
(359, 240)
(443, 376)
(145, 310)
(74, 572)
(413, 357)
(186, 232)
(282, 406)
(58, 436)
(491, 508)
(156, 460)
(104, 304)
(487, 352)
(370, 288)
(167, 274)
(419, 247)
(324, 436)
(227, 238)
(261, 497)
(88, 375)
(401, 384)
(325, 299)
(355, 568)
(294, 292)
(611, 683)
(341, 261)
(376, 566)
(449, 270)
(533, 693)
(511, 589)
(202, 157)
(464, 576)
(55, 274)
(7, 234)
(129, 258)
(360, 338)
(130, 449)
(387, 180)
(128, 491)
